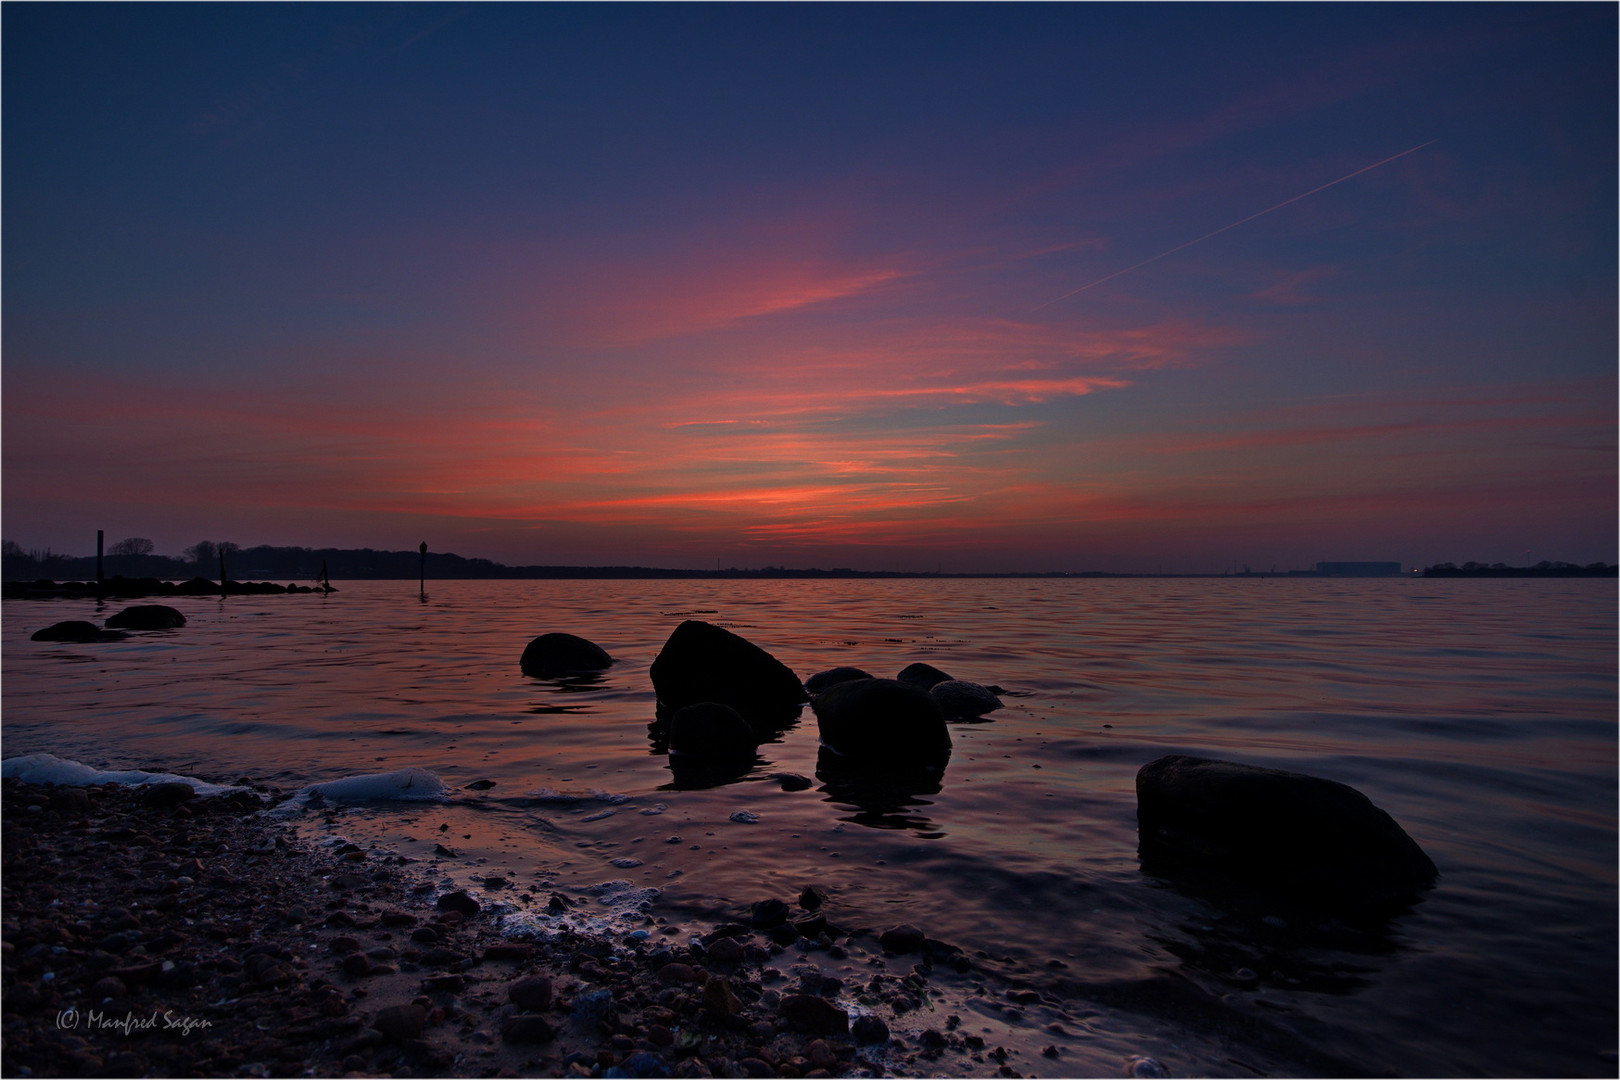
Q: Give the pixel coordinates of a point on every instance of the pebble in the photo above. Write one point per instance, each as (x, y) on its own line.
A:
(1143, 1066)
(813, 1015)
(527, 1028)
(459, 901)
(531, 993)
(401, 1022)
(902, 939)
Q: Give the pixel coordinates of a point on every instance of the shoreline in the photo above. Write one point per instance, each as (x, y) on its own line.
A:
(147, 932)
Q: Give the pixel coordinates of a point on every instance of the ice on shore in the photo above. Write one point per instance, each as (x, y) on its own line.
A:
(50, 769)
(400, 785)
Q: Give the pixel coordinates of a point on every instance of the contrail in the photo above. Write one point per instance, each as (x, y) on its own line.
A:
(1235, 224)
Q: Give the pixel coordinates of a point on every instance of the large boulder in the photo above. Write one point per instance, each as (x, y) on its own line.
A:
(550, 655)
(882, 720)
(703, 662)
(147, 617)
(1316, 842)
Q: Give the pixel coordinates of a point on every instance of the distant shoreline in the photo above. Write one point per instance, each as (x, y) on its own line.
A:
(123, 588)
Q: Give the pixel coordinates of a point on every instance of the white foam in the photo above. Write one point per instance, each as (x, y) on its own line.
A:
(620, 907)
(50, 769)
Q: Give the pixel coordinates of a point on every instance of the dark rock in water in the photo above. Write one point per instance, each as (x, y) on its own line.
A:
(147, 617)
(963, 700)
(920, 674)
(710, 729)
(703, 662)
(812, 897)
(813, 1015)
(1316, 842)
(881, 720)
(76, 630)
(562, 654)
(818, 682)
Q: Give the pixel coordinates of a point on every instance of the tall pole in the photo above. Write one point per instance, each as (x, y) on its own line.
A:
(423, 589)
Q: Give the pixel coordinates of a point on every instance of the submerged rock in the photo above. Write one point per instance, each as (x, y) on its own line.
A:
(818, 682)
(702, 662)
(1314, 841)
(964, 700)
(920, 674)
(881, 719)
(147, 617)
(562, 654)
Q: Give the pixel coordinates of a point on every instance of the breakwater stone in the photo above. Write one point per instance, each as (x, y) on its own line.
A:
(702, 662)
(1314, 841)
(881, 720)
(550, 655)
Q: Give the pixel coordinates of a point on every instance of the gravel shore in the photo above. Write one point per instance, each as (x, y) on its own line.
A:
(149, 932)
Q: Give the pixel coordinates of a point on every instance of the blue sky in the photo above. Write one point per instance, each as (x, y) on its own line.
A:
(781, 283)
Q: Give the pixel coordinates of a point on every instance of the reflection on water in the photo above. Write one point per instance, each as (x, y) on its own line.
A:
(882, 796)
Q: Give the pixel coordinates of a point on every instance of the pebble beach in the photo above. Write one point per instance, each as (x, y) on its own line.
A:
(152, 932)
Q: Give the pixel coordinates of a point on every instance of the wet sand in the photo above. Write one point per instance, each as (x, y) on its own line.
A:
(147, 933)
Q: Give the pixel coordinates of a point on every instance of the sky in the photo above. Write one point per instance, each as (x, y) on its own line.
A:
(960, 287)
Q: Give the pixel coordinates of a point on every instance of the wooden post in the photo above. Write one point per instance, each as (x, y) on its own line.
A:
(423, 589)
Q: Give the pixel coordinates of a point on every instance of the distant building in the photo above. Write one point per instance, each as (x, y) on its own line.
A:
(1358, 569)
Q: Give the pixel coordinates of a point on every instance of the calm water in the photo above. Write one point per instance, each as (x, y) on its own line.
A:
(1480, 714)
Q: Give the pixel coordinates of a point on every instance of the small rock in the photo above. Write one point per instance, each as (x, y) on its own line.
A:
(813, 897)
(726, 951)
(769, 913)
(870, 1029)
(527, 1028)
(1143, 1066)
(343, 945)
(400, 1022)
(531, 993)
(718, 999)
(677, 974)
(459, 901)
(902, 939)
(820, 1055)
(813, 1015)
(355, 964)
